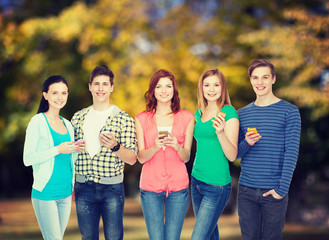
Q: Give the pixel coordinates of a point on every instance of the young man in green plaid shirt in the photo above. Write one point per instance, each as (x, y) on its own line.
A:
(109, 136)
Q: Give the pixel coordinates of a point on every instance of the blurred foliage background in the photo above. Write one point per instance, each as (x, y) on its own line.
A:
(39, 38)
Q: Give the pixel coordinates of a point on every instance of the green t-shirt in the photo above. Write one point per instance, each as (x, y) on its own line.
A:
(211, 165)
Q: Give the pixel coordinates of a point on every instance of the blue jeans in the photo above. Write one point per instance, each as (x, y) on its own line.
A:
(52, 216)
(260, 217)
(94, 200)
(164, 215)
(208, 202)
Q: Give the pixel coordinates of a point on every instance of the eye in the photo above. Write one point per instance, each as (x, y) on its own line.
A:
(158, 86)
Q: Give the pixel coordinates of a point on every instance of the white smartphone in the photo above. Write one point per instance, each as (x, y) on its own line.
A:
(80, 141)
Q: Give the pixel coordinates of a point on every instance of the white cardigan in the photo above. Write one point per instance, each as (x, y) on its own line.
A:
(39, 150)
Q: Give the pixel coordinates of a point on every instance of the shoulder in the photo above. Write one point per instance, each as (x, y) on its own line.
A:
(79, 113)
(122, 115)
(185, 113)
(37, 119)
(289, 109)
(247, 107)
(144, 114)
(288, 105)
(228, 109)
(230, 112)
(197, 113)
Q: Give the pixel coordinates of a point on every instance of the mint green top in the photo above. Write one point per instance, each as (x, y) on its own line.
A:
(211, 165)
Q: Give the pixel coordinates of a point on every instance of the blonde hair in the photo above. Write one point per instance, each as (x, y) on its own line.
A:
(223, 100)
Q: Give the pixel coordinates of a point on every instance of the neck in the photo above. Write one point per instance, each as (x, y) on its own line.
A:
(211, 106)
(266, 100)
(101, 106)
(163, 108)
(52, 114)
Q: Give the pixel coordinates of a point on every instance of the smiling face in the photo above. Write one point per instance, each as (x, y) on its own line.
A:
(164, 90)
(56, 96)
(212, 89)
(262, 80)
(101, 89)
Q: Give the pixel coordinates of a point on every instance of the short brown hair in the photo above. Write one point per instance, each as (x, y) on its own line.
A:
(261, 63)
(100, 71)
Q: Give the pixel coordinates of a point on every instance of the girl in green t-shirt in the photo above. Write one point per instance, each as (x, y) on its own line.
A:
(216, 133)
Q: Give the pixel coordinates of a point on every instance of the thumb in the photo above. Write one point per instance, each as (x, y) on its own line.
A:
(266, 194)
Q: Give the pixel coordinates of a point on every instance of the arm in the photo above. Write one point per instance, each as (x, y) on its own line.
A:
(36, 145)
(183, 152)
(37, 148)
(291, 146)
(246, 142)
(145, 155)
(291, 143)
(229, 137)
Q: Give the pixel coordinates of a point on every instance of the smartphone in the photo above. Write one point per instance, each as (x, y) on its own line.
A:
(165, 133)
(80, 141)
(254, 130)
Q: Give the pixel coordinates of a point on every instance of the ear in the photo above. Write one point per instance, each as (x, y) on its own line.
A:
(274, 80)
(45, 95)
(111, 88)
(89, 86)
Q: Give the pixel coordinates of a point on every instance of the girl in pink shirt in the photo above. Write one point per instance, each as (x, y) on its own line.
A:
(164, 137)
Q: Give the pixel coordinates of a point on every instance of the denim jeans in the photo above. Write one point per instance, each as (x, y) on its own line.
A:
(94, 200)
(208, 202)
(260, 218)
(164, 215)
(52, 216)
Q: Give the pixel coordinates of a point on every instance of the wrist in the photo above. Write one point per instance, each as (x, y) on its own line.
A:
(116, 147)
(220, 133)
(178, 148)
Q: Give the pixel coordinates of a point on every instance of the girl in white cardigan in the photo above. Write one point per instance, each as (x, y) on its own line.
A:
(50, 149)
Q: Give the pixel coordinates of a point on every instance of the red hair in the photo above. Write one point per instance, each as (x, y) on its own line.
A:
(151, 101)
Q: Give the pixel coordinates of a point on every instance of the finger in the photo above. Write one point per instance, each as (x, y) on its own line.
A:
(220, 118)
(267, 193)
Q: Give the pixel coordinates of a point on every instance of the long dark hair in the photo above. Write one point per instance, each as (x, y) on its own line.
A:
(151, 102)
(44, 105)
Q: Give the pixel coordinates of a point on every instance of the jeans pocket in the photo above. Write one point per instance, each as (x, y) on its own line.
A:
(275, 199)
(116, 188)
(242, 189)
(78, 187)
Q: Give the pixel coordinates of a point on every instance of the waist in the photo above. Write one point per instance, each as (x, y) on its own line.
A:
(103, 180)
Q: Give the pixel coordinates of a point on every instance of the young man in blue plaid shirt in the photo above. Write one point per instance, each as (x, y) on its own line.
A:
(110, 141)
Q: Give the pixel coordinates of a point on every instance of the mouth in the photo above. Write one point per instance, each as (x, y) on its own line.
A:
(100, 94)
(260, 88)
(212, 94)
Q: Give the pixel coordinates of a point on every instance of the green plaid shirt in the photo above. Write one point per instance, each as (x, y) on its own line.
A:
(105, 163)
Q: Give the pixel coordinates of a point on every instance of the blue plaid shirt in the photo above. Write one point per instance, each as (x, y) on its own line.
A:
(105, 163)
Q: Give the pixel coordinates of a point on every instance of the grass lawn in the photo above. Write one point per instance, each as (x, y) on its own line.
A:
(17, 221)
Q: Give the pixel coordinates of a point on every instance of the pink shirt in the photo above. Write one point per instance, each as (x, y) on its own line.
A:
(165, 171)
